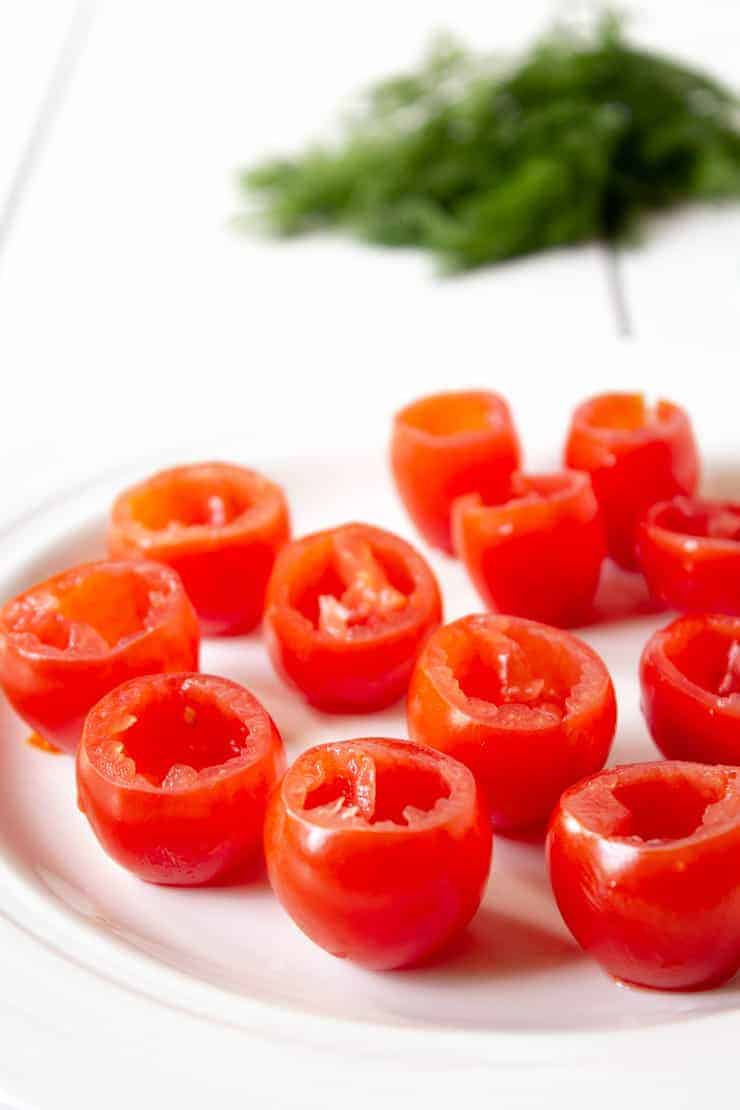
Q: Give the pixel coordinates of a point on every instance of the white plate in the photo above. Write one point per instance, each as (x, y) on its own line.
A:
(189, 966)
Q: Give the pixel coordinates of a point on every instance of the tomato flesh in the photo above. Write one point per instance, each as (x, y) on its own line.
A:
(378, 849)
(528, 708)
(690, 680)
(538, 554)
(173, 774)
(446, 445)
(67, 641)
(645, 865)
(636, 454)
(347, 612)
(218, 525)
(690, 554)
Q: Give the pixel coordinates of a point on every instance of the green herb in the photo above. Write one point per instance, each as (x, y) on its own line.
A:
(479, 161)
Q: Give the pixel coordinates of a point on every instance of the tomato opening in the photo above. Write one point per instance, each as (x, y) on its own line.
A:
(707, 655)
(715, 520)
(627, 412)
(661, 809)
(189, 498)
(450, 414)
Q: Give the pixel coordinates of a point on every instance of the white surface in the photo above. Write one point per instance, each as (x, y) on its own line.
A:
(516, 1002)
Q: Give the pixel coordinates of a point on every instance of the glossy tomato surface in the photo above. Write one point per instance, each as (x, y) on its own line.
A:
(66, 642)
(378, 849)
(218, 525)
(348, 611)
(528, 708)
(690, 680)
(173, 774)
(689, 551)
(448, 444)
(645, 865)
(539, 553)
(637, 454)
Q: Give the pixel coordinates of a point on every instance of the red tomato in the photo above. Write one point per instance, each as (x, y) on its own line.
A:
(645, 866)
(378, 849)
(538, 554)
(446, 445)
(67, 641)
(690, 678)
(173, 774)
(530, 709)
(636, 454)
(690, 554)
(219, 526)
(347, 613)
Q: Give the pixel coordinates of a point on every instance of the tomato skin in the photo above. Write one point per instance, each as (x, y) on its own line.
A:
(369, 668)
(660, 910)
(521, 751)
(218, 525)
(689, 552)
(52, 686)
(686, 676)
(384, 895)
(446, 445)
(636, 456)
(538, 554)
(212, 822)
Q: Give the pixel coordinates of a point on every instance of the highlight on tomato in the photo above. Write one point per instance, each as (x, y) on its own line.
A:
(689, 552)
(218, 525)
(528, 708)
(690, 680)
(449, 444)
(644, 863)
(539, 553)
(378, 849)
(347, 613)
(66, 642)
(637, 454)
(174, 773)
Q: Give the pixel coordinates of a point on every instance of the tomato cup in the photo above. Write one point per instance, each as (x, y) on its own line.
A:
(689, 551)
(173, 774)
(67, 641)
(539, 553)
(637, 454)
(690, 680)
(378, 849)
(528, 708)
(644, 863)
(446, 445)
(348, 611)
(219, 526)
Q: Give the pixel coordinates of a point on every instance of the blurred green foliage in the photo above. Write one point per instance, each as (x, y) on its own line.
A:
(480, 161)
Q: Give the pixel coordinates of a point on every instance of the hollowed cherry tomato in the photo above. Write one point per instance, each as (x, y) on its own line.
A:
(538, 554)
(690, 678)
(378, 849)
(690, 554)
(645, 866)
(636, 454)
(219, 526)
(448, 444)
(173, 774)
(67, 641)
(347, 613)
(530, 709)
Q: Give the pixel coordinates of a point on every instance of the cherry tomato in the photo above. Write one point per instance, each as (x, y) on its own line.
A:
(645, 866)
(67, 641)
(219, 526)
(530, 709)
(690, 678)
(448, 444)
(378, 849)
(538, 554)
(347, 613)
(173, 774)
(636, 454)
(690, 554)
